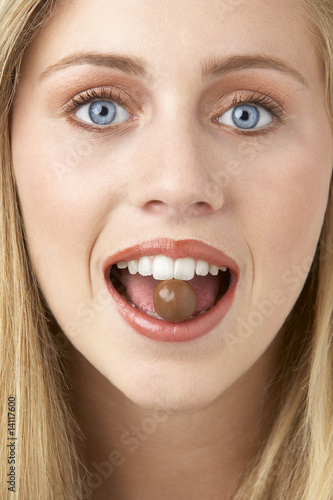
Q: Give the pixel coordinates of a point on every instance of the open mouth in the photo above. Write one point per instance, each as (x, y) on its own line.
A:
(132, 276)
(136, 281)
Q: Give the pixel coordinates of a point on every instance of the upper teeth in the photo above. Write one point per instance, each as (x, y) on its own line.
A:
(165, 268)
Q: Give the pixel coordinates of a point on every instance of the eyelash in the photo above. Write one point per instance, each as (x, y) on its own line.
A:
(110, 94)
(116, 95)
(91, 95)
(262, 100)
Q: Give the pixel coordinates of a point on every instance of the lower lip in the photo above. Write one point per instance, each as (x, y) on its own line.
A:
(165, 331)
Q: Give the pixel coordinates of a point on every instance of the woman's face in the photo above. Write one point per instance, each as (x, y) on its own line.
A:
(141, 124)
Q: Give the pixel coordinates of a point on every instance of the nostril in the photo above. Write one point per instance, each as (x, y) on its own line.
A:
(155, 206)
(202, 207)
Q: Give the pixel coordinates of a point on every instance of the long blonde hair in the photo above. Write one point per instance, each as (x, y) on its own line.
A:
(33, 387)
(295, 462)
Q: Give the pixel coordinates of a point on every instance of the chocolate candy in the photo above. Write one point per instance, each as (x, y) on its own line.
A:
(174, 300)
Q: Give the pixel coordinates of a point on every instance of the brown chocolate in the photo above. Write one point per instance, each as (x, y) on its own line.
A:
(174, 300)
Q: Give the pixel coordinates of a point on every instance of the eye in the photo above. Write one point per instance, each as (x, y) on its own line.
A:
(102, 113)
(246, 116)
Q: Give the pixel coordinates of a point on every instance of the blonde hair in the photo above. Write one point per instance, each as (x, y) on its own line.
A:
(46, 464)
(296, 458)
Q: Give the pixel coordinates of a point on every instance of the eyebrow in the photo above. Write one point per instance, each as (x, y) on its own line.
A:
(212, 68)
(131, 65)
(217, 67)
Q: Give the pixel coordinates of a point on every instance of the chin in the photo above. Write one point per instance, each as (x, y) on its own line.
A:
(172, 398)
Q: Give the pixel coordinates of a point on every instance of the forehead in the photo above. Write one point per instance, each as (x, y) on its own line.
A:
(177, 36)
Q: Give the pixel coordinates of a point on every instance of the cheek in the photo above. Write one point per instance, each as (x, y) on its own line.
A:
(64, 203)
(282, 204)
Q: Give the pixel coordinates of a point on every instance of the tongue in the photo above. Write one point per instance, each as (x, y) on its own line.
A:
(141, 290)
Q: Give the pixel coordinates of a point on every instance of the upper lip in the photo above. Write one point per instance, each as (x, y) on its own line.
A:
(176, 249)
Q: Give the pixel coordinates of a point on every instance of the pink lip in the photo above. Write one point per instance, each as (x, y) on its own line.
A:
(165, 331)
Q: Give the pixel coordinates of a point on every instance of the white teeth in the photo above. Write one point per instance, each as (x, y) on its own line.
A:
(153, 315)
(145, 266)
(184, 269)
(214, 270)
(122, 265)
(202, 268)
(133, 266)
(165, 268)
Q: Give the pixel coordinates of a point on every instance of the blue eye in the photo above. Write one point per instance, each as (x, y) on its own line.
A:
(246, 117)
(102, 113)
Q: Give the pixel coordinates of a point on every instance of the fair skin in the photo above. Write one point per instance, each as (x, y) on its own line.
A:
(172, 170)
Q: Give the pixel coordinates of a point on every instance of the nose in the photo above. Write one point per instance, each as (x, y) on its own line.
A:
(175, 174)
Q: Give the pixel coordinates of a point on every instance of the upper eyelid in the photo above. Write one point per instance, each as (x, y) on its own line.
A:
(252, 97)
(102, 92)
(229, 96)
